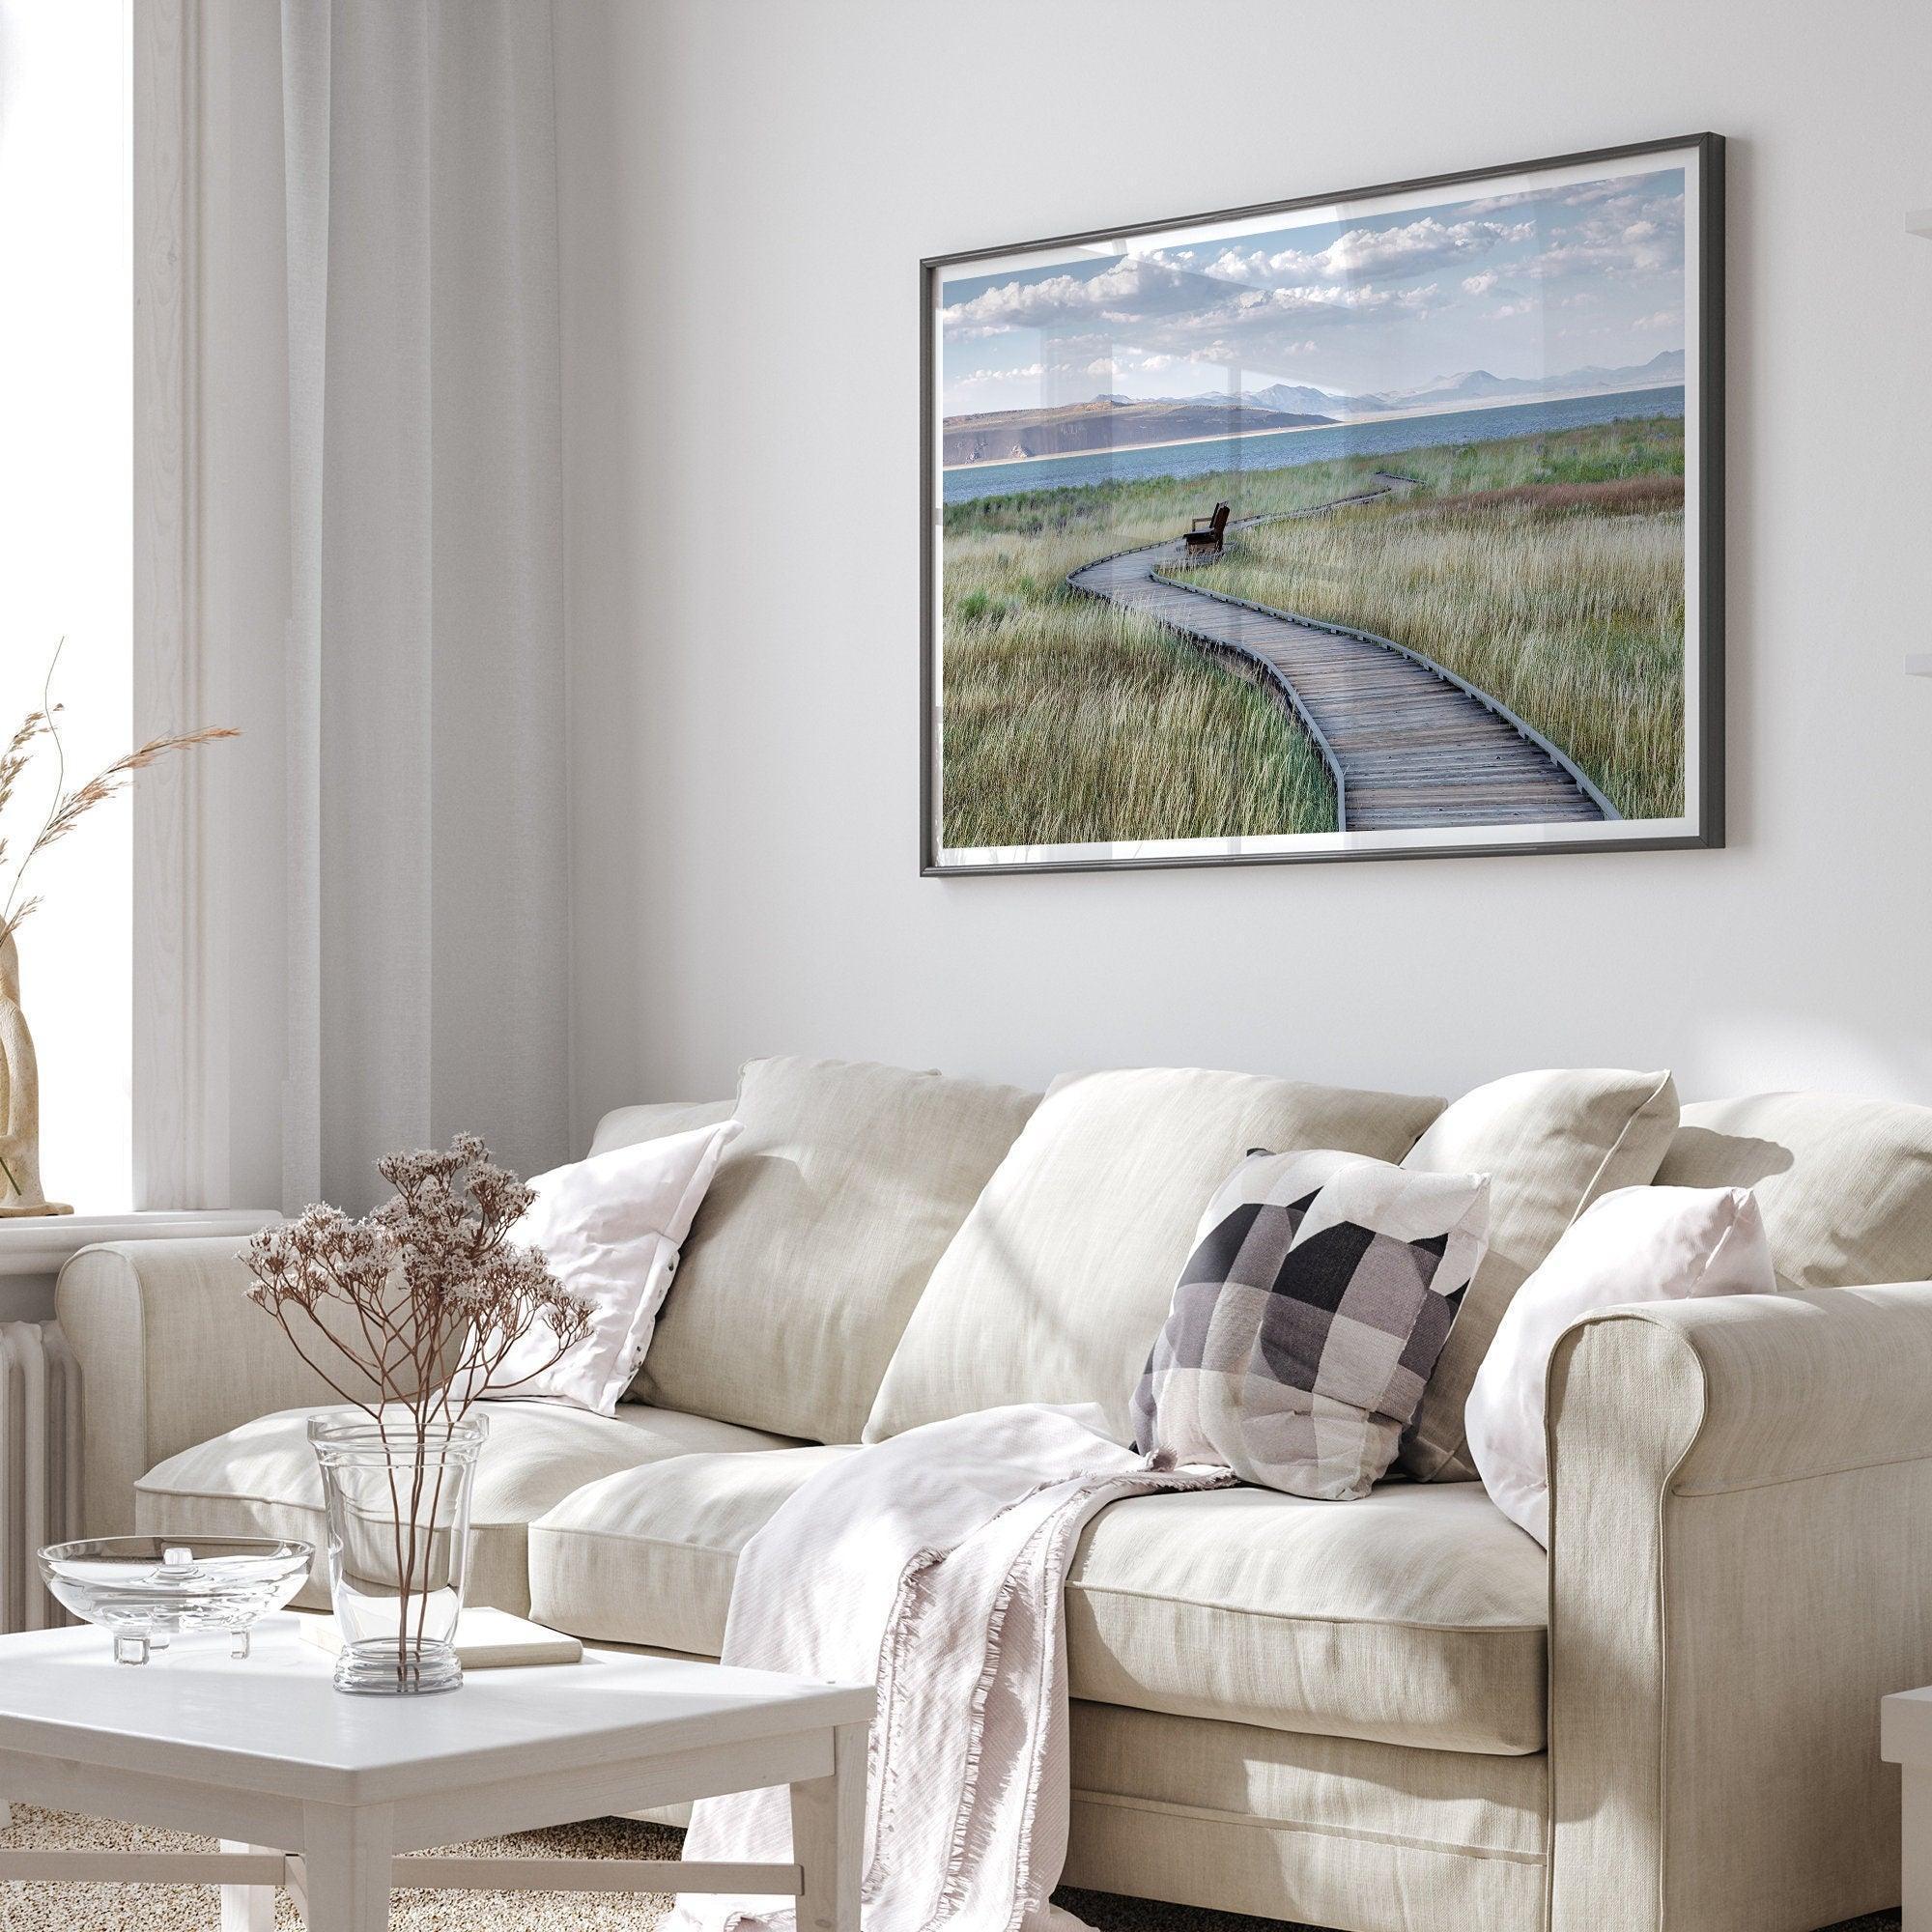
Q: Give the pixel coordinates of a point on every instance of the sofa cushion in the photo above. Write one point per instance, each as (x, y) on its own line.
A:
(816, 1238)
(1551, 1143)
(1414, 1616)
(1844, 1183)
(624, 1561)
(1061, 1278)
(262, 1480)
(626, 1126)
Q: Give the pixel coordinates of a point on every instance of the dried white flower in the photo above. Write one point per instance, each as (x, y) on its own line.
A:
(428, 1284)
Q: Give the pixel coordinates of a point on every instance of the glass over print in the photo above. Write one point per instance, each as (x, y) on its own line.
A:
(1373, 523)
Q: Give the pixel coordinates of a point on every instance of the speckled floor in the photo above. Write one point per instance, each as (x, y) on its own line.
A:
(148, 1908)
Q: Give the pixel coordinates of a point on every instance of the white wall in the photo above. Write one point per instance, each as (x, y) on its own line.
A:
(746, 187)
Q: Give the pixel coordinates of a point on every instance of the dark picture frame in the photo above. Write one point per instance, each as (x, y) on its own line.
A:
(1699, 820)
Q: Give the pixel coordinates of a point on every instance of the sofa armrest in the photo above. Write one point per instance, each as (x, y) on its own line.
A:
(171, 1352)
(1741, 1490)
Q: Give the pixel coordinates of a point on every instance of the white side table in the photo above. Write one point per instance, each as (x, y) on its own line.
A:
(1905, 1739)
(319, 1792)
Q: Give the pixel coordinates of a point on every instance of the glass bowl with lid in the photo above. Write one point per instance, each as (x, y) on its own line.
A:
(147, 1590)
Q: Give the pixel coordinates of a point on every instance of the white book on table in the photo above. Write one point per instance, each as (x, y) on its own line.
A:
(485, 1639)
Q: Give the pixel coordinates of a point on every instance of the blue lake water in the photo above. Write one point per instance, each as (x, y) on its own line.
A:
(1283, 449)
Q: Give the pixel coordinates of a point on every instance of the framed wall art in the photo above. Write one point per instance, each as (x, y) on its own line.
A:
(1368, 524)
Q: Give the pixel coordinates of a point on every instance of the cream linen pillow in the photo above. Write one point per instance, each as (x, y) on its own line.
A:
(1550, 1143)
(825, 1221)
(1639, 1244)
(610, 1228)
(1845, 1184)
(1060, 1280)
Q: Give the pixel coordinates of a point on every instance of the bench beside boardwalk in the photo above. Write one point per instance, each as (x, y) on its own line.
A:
(1408, 745)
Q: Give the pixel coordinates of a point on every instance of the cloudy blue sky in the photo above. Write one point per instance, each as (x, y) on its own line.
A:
(1526, 284)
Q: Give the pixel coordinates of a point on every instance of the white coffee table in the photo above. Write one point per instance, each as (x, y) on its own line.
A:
(320, 1792)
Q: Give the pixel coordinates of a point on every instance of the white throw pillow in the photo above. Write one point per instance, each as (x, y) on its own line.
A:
(1639, 1244)
(612, 1227)
(1551, 1143)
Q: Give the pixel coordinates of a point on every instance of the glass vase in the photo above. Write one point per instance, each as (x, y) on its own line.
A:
(397, 1496)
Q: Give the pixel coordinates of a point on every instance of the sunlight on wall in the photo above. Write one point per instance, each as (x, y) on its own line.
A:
(64, 556)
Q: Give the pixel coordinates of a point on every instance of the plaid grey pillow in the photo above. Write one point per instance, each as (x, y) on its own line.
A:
(1305, 1324)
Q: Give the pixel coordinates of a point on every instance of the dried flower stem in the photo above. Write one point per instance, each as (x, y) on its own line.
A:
(66, 808)
(431, 1297)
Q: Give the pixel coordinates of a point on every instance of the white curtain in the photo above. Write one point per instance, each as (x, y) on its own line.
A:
(427, 916)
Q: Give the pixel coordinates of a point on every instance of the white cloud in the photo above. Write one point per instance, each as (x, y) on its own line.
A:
(1501, 204)
(1421, 244)
(984, 376)
(1590, 256)
(1156, 320)
(1412, 249)
(1250, 306)
(1126, 360)
(1627, 236)
(1139, 280)
(1664, 318)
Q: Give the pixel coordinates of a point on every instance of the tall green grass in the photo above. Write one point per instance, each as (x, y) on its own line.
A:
(1068, 721)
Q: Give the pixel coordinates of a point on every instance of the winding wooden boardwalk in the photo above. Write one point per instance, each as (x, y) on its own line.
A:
(1408, 744)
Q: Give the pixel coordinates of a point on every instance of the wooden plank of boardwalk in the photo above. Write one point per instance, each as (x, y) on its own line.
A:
(1414, 749)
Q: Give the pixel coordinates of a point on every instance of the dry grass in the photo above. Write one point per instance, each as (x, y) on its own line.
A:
(1612, 500)
(1548, 569)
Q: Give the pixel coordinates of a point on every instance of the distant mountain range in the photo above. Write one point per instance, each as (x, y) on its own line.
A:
(1125, 422)
(1470, 386)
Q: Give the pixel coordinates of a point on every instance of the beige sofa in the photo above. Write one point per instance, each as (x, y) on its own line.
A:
(1397, 1713)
